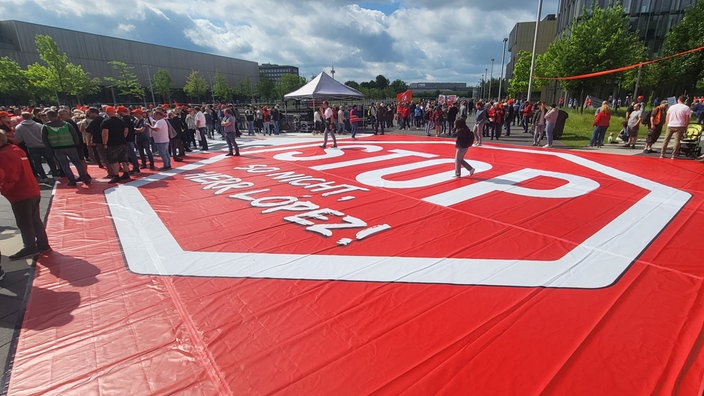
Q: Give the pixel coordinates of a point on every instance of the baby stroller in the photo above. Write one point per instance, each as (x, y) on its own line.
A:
(691, 142)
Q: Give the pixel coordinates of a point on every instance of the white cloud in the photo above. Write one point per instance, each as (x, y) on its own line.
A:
(125, 27)
(416, 40)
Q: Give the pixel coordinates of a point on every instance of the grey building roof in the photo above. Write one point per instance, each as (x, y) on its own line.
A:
(93, 52)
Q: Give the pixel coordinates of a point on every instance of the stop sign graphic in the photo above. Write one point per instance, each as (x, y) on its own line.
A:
(392, 211)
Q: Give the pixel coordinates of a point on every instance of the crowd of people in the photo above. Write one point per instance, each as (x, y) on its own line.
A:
(675, 119)
(123, 141)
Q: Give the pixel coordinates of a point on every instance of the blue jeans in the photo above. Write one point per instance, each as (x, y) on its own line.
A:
(132, 155)
(277, 127)
(163, 150)
(250, 127)
(549, 128)
(70, 154)
(598, 136)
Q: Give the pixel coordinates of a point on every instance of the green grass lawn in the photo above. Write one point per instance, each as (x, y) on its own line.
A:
(578, 127)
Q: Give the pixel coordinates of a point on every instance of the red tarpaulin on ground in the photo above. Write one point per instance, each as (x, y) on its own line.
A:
(370, 268)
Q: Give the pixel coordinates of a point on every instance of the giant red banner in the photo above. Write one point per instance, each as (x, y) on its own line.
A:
(370, 268)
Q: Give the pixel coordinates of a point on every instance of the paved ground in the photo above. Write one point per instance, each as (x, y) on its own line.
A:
(14, 289)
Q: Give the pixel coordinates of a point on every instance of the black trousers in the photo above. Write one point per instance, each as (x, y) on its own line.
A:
(30, 224)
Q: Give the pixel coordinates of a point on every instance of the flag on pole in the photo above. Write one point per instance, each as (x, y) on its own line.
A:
(405, 97)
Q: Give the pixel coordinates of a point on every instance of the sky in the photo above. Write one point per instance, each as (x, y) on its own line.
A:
(408, 40)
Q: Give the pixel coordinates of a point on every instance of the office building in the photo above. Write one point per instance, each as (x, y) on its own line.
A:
(652, 19)
(521, 39)
(274, 72)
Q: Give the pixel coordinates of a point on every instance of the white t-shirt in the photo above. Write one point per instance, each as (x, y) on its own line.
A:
(200, 120)
(678, 115)
(328, 113)
(160, 131)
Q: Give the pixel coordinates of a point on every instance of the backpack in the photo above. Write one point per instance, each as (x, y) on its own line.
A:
(645, 118)
(172, 131)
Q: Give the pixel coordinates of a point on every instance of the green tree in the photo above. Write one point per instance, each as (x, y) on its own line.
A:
(368, 84)
(288, 83)
(126, 81)
(162, 84)
(381, 82)
(601, 41)
(397, 86)
(521, 72)
(684, 73)
(56, 63)
(244, 89)
(196, 86)
(61, 76)
(352, 84)
(82, 84)
(265, 87)
(13, 80)
(41, 83)
(221, 89)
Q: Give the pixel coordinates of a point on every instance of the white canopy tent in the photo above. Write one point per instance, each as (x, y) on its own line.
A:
(324, 87)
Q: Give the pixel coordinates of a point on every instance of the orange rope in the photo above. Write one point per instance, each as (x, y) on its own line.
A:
(620, 69)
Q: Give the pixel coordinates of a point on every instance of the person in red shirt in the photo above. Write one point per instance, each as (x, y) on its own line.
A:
(19, 186)
(6, 125)
(527, 116)
(601, 124)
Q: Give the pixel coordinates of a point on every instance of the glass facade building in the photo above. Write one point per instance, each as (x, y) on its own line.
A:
(274, 72)
(652, 19)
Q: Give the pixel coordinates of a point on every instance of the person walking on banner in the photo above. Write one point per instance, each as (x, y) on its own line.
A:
(464, 141)
(229, 125)
(329, 125)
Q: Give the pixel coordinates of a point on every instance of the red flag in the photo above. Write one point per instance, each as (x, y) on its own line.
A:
(405, 96)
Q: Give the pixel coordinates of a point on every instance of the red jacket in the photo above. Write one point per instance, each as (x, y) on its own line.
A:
(17, 181)
(602, 119)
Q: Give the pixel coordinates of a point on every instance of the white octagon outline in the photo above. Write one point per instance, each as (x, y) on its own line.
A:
(150, 248)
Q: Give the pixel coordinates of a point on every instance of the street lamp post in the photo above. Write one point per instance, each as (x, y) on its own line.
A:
(491, 77)
(535, 43)
(149, 75)
(486, 73)
(503, 58)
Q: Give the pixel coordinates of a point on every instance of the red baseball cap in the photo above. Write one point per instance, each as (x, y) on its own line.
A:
(110, 109)
(123, 109)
